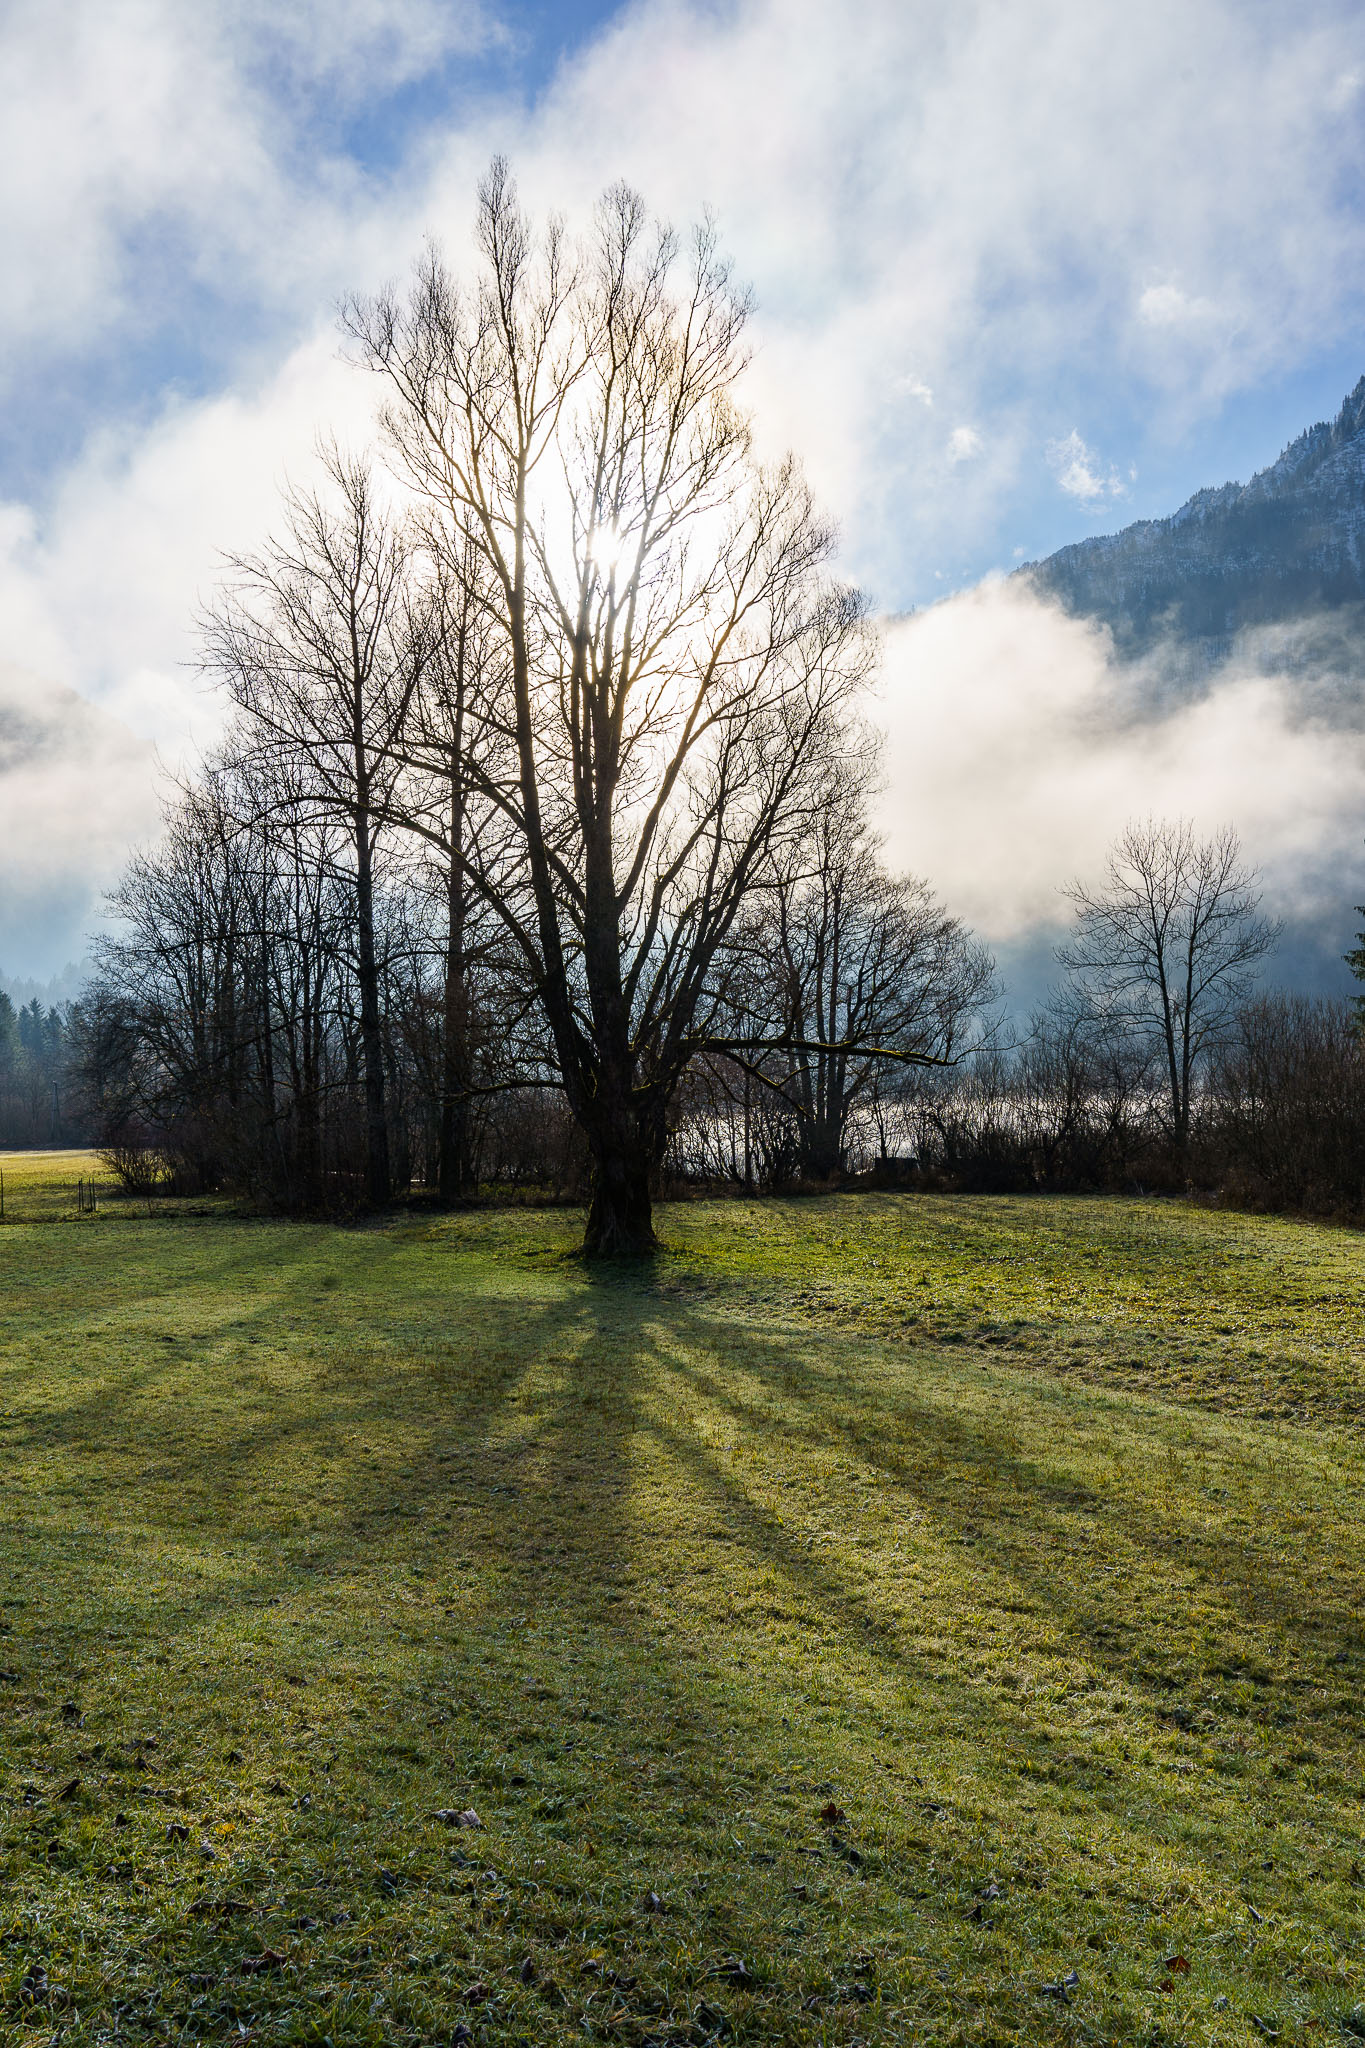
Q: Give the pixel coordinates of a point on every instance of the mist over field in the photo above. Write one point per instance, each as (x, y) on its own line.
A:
(1017, 744)
(77, 787)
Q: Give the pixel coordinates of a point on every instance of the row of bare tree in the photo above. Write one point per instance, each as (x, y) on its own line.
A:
(1158, 1062)
(537, 849)
(1277, 1120)
(226, 1030)
(545, 774)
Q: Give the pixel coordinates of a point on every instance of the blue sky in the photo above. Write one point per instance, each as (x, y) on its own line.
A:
(189, 339)
(1021, 274)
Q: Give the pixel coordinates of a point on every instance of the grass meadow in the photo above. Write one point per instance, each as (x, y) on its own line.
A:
(886, 1620)
(40, 1186)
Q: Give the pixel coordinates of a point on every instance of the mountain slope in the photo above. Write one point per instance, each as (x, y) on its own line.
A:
(1289, 543)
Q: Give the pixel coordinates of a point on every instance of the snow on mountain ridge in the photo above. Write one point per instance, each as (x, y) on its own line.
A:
(1234, 557)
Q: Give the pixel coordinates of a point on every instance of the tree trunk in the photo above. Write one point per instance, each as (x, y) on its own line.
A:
(309, 1149)
(822, 1154)
(454, 1169)
(625, 1153)
(371, 1031)
(748, 1136)
(621, 1212)
(453, 1175)
(308, 1032)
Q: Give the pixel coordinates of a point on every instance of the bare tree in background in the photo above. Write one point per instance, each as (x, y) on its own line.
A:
(210, 1029)
(168, 1027)
(677, 659)
(1166, 947)
(853, 969)
(321, 644)
(454, 748)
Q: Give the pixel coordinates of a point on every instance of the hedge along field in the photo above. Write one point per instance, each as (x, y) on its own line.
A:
(887, 1620)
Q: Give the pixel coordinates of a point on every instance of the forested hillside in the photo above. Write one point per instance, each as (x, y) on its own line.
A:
(1285, 546)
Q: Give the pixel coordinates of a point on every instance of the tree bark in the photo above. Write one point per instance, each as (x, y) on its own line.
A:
(822, 1152)
(626, 1152)
(371, 1029)
(621, 1212)
(453, 1172)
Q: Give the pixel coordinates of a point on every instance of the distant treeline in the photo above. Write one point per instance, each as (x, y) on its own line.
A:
(222, 1042)
(1277, 1118)
(39, 1104)
(174, 1088)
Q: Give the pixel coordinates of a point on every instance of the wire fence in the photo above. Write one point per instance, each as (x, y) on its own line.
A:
(26, 1197)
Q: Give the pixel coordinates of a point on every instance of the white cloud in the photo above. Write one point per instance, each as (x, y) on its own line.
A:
(354, 48)
(101, 686)
(153, 150)
(75, 792)
(1005, 198)
(1015, 754)
(973, 193)
(977, 192)
(1079, 472)
(1165, 305)
(102, 597)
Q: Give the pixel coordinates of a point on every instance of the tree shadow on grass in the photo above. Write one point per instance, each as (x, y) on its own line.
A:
(548, 1395)
(634, 1525)
(533, 1413)
(965, 1465)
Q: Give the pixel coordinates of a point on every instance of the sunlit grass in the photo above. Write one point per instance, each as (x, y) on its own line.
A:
(40, 1185)
(1023, 1537)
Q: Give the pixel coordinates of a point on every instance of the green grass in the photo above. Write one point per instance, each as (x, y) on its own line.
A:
(1024, 1536)
(38, 1186)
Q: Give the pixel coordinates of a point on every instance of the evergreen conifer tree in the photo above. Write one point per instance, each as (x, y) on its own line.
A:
(1355, 960)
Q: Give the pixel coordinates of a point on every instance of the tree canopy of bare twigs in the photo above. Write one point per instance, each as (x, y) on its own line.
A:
(842, 965)
(322, 641)
(678, 656)
(542, 788)
(1166, 946)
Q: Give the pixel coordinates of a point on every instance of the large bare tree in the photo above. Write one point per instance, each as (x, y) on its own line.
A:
(1166, 946)
(677, 654)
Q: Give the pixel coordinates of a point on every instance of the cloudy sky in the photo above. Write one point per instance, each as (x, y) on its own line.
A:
(1024, 270)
